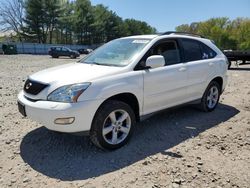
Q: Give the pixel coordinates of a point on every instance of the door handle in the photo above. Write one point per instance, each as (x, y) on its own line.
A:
(210, 64)
(182, 69)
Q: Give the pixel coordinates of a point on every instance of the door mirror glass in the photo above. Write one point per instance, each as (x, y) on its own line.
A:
(155, 61)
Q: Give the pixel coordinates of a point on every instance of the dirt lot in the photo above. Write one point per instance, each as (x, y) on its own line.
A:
(177, 148)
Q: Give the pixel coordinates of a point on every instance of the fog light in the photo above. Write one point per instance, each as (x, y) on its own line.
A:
(64, 121)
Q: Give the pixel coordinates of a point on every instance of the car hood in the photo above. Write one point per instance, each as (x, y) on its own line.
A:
(74, 73)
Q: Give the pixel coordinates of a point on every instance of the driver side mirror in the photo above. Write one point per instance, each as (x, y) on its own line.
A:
(155, 61)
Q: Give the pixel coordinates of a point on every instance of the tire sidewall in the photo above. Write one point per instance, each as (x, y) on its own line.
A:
(229, 64)
(204, 98)
(101, 115)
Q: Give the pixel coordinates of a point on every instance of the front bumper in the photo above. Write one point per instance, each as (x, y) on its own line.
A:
(45, 112)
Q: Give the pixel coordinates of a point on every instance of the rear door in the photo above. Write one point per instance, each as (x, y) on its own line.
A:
(58, 51)
(65, 51)
(200, 65)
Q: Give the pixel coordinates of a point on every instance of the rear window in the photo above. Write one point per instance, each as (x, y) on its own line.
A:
(191, 49)
(207, 53)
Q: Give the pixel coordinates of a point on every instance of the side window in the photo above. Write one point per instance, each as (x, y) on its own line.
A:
(65, 49)
(192, 50)
(169, 51)
(207, 53)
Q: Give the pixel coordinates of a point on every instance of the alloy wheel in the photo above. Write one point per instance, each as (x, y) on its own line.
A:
(116, 127)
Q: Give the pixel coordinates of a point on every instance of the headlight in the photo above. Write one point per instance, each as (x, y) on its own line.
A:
(69, 93)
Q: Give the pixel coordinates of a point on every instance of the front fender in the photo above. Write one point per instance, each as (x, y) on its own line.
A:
(104, 88)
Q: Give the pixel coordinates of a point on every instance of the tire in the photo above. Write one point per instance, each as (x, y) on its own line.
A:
(210, 100)
(72, 56)
(243, 62)
(106, 131)
(229, 64)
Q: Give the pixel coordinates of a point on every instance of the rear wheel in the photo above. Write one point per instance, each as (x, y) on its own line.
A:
(243, 62)
(112, 125)
(229, 64)
(72, 56)
(211, 97)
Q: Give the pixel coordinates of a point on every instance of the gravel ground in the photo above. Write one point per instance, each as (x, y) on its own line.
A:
(176, 148)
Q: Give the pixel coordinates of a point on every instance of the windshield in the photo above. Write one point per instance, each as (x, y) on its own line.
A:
(118, 52)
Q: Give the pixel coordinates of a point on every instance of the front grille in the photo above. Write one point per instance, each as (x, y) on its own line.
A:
(33, 87)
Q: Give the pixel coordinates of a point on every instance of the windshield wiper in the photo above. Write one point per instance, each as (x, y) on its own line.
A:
(104, 64)
(92, 63)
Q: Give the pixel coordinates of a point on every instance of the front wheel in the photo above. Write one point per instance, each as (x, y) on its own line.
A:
(211, 97)
(112, 125)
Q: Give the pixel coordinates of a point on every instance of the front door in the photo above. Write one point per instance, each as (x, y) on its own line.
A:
(165, 86)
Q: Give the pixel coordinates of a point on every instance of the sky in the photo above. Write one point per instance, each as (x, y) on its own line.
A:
(165, 15)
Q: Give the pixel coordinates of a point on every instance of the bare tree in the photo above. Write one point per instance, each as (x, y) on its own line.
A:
(12, 16)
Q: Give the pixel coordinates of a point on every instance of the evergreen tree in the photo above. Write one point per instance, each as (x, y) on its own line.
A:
(34, 20)
(41, 18)
(135, 27)
(52, 10)
(83, 20)
(65, 27)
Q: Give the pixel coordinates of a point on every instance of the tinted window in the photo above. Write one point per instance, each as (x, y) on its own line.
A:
(192, 50)
(65, 49)
(169, 51)
(207, 53)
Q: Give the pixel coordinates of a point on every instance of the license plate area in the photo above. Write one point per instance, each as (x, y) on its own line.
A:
(21, 109)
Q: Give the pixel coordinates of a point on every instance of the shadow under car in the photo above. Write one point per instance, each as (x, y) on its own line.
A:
(68, 157)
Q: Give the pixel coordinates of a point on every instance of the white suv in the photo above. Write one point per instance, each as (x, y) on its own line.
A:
(112, 88)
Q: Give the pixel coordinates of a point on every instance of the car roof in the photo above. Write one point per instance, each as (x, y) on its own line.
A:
(58, 47)
(174, 35)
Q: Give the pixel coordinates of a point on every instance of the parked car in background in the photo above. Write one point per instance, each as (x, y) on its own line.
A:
(57, 51)
(1, 49)
(9, 49)
(122, 82)
(84, 50)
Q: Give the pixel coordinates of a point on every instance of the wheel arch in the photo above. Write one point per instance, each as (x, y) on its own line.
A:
(219, 80)
(129, 99)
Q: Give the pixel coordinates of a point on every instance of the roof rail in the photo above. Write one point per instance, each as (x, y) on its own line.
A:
(182, 33)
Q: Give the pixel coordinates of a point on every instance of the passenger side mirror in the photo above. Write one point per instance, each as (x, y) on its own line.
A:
(155, 61)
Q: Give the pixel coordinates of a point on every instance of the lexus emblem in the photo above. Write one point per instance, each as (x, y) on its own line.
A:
(28, 85)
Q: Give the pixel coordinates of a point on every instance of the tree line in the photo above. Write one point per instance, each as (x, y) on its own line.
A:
(66, 22)
(226, 33)
(79, 22)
